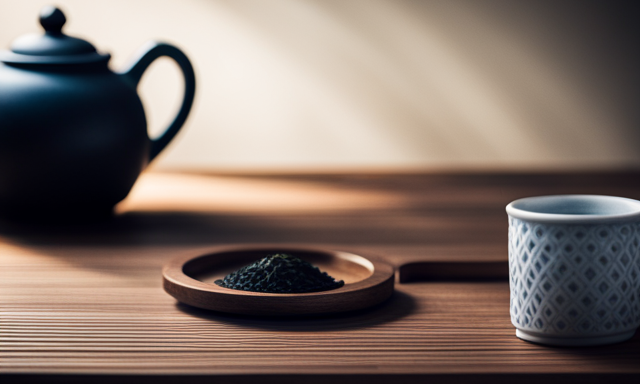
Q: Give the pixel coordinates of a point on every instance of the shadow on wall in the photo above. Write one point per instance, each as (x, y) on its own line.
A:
(378, 84)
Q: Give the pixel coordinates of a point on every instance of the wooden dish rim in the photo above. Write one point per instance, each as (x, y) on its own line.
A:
(194, 292)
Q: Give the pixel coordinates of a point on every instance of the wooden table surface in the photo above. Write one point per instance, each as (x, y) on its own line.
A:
(85, 302)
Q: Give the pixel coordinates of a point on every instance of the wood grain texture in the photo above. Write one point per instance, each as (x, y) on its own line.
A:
(88, 299)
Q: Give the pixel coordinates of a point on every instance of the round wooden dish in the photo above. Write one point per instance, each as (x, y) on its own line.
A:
(190, 279)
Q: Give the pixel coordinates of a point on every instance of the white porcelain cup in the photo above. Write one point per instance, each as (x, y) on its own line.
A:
(574, 269)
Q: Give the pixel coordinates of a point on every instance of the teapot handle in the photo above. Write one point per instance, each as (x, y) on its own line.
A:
(145, 56)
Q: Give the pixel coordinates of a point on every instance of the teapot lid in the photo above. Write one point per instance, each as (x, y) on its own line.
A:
(53, 47)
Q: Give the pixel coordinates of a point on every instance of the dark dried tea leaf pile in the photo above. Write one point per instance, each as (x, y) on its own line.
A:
(280, 273)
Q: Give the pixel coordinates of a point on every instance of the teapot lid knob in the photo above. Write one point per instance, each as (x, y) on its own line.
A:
(52, 47)
(52, 19)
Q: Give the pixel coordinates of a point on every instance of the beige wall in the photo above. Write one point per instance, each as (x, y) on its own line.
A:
(369, 84)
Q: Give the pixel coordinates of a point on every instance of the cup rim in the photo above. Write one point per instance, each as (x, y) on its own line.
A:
(610, 209)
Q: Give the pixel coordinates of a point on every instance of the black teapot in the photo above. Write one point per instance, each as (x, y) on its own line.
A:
(73, 134)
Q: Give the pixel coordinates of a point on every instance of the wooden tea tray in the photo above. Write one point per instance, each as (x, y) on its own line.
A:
(86, 303)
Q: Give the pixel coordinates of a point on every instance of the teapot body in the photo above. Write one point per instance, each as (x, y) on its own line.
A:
(73, 134)
(73, 139)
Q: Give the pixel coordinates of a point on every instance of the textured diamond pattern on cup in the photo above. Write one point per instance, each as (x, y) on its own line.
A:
(589, 273)
(574, 279)
(560, 325)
